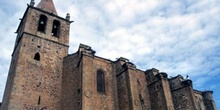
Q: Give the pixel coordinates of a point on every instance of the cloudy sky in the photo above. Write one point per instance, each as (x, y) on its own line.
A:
(174, 36)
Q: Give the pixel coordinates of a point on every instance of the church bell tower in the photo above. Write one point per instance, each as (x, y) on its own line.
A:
(34, 78)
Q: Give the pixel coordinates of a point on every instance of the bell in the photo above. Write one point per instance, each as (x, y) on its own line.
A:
(42, 22)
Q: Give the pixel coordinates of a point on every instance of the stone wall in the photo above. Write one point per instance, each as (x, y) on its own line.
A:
(123, 91)
(182, 93)
(131, 86)
(138, 86)
(34, 80)
(208, 100)
(40, 80)
(71, 83)
(91, 98)
(199, 100)
(159, 90)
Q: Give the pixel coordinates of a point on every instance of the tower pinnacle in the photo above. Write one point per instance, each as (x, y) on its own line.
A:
(32, 3)
(47, 5)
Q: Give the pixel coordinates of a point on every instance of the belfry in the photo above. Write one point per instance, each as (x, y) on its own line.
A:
(35, 75)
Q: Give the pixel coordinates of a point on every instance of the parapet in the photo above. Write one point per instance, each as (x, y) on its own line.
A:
(129, 65)
(85, 49)
(179, 82)
(161, 75)
(122, 59)
(153, 75)
(207, 95)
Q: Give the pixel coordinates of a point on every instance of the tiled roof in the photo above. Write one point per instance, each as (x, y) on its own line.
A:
(47, 5)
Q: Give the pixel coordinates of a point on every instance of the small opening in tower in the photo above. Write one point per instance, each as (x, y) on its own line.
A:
(55, 28)
(37, 56)
(42, 23)
(39, 99)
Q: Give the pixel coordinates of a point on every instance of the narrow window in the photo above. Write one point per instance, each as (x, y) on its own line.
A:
(39, 99)
(100, 81)
(42, 23)
(139, 86)
(142, 102)
(55, 28)
(37, 56)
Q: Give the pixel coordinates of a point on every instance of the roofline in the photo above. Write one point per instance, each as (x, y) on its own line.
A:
(174, 77)
(101, 59)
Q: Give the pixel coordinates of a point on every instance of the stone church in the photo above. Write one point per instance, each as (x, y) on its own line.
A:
(43, 76)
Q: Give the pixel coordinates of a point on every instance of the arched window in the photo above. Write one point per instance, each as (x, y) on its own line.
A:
(55, 28)
(42, 23)
(37, 56)
(100, 81)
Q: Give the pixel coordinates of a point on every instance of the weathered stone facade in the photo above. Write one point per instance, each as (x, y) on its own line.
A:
(43, 76)
(35, 75)
(126, 87)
